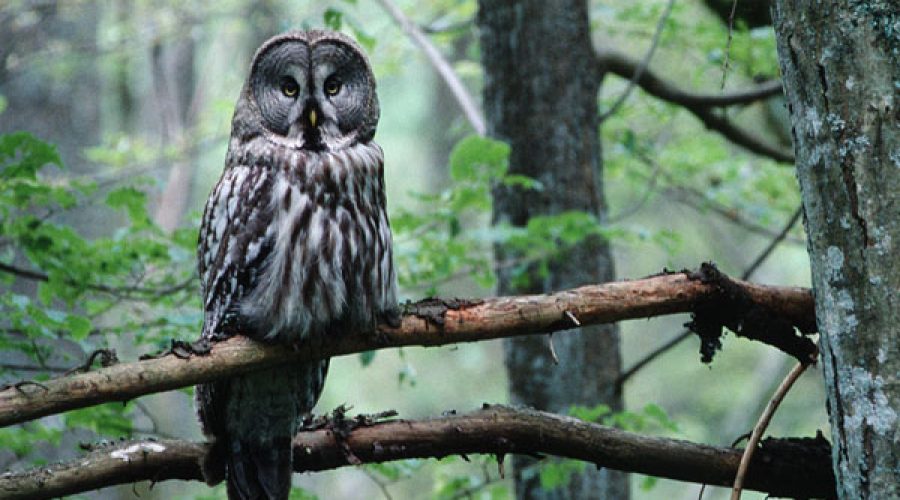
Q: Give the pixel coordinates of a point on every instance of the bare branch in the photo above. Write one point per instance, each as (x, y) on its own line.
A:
(440, 63)
(495, 430)
(639, 71)
(700, 106)
(432, 322)
(621, 65)
(697, 200)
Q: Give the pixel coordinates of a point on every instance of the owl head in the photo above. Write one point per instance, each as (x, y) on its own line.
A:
(310, 90)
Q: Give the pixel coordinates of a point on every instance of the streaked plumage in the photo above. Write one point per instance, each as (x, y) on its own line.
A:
(295, 244)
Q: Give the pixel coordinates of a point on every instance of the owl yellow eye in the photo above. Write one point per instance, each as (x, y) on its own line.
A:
(289, 87)
(332, 86)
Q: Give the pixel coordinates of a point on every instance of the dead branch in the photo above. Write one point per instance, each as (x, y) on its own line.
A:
(802, 470)
(432, 322)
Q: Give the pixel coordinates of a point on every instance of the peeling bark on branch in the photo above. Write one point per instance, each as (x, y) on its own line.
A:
(796, 469)
(447, 323)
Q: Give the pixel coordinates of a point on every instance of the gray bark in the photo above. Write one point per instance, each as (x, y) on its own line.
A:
(841, 65)
(540, 96)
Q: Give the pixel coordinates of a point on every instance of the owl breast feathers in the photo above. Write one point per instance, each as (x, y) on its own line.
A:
(294, 241)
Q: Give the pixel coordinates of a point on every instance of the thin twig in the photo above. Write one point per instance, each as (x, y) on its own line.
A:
(621, 65)
(639, 71)
(126, 292)
(728, 43)
(761, 426)
(652, 181)
(552, 349)
(440, 63)
(773, 244)
(702, 107)
(695, 199)
(378, 482)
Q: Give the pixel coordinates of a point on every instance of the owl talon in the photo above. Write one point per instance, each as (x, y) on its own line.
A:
(392, 317)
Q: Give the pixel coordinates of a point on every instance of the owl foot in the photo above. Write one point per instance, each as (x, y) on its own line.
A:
(183, 350)
(391, 317)
(341, 426)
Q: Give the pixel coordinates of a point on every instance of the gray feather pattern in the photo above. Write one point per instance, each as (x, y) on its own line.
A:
(295, 246)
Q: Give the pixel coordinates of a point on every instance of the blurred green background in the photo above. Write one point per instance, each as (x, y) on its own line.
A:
(138, 96)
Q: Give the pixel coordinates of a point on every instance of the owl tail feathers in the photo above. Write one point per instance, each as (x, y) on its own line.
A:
(212, 464)
(256, 470)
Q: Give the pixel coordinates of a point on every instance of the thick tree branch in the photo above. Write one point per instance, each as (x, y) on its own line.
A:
(429, 323)
(800, 470)
(700, 106)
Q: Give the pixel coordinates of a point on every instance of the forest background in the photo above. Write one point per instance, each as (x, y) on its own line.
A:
(137, 98)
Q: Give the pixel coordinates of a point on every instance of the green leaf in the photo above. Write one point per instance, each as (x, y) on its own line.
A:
(22, 156)
(366, 358)
(298, 493)
(108, 419)
(333, 18)
(590, 414)
(648, 483)
(133, 200)
(476, 157)
(79, 327)
(555, 474)
(658, 415)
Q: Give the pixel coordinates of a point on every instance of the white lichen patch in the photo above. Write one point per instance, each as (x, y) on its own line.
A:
(883, 243)
(834, 263)
(141, 448)
(836, 123)
(845, 221)
(813, 120)
(868, 404)
(895, 158)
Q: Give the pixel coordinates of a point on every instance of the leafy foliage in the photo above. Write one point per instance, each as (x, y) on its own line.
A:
(65, 294)
(79, 281)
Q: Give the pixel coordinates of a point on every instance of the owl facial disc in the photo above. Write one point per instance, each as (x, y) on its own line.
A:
(314, 90)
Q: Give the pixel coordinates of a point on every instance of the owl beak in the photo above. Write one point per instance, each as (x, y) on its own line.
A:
(310, 114)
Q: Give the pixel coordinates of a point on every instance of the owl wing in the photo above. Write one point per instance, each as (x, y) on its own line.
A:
(236, 237)
(235, 240)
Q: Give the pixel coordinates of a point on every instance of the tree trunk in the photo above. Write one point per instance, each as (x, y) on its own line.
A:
(841, 66)
(540, 96)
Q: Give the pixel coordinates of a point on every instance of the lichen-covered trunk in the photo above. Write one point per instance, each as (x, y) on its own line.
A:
(540, 96)
(841, 66)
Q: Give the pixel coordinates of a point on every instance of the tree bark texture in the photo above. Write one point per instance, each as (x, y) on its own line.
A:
(540, 96)
(428, 323)
(780, 468)
(841, 67)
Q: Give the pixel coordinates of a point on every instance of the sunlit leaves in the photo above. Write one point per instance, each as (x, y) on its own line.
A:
(432, 245)
(133, 201)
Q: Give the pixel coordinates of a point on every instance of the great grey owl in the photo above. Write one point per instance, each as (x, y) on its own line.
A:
(294, 246)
